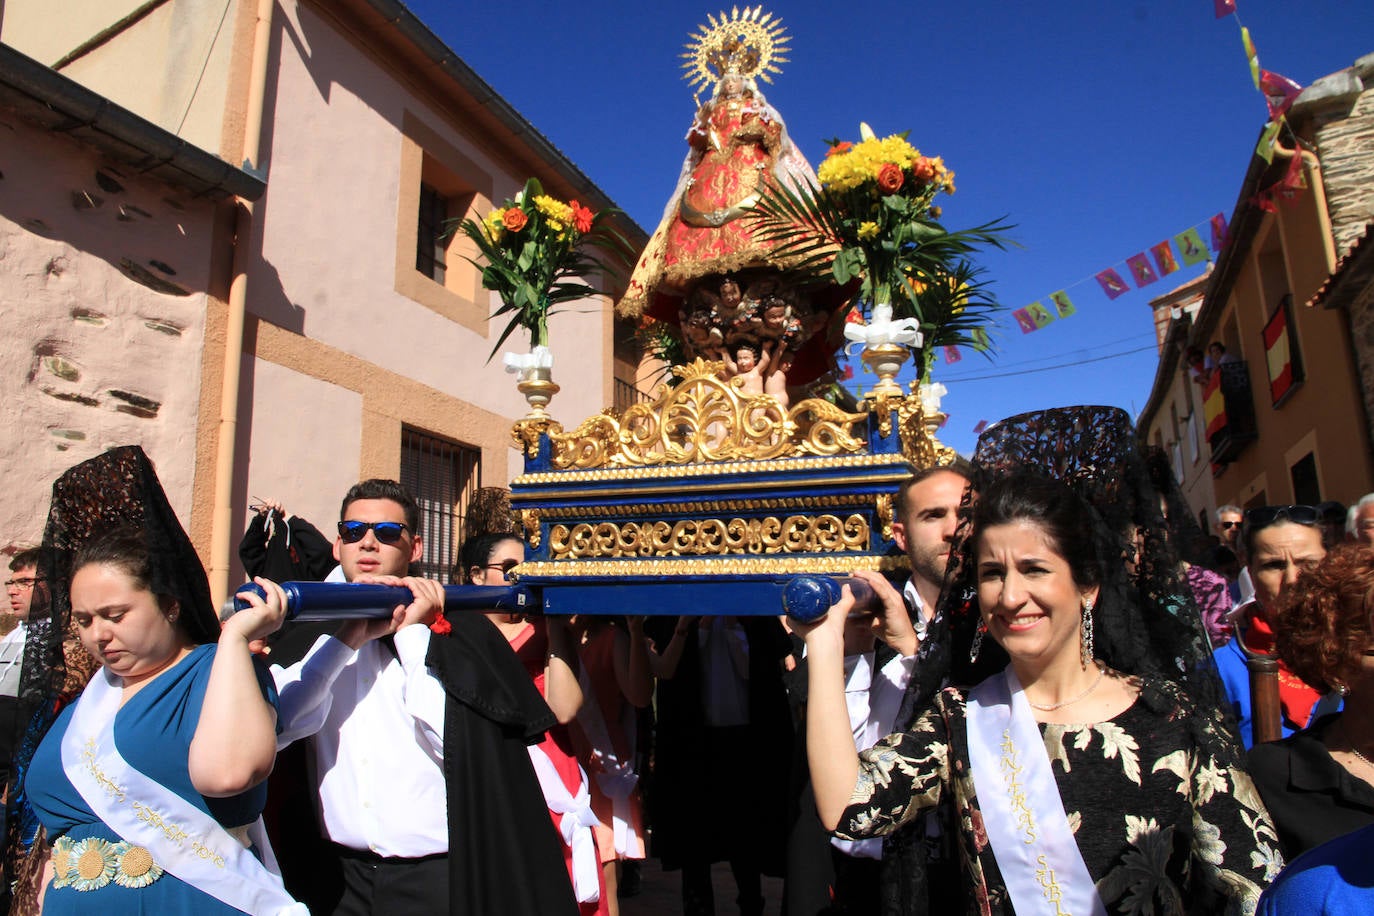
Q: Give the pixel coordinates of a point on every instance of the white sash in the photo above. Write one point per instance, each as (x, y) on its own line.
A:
(576, 824)
(1022, 812)
(617, 779)
(184, 841)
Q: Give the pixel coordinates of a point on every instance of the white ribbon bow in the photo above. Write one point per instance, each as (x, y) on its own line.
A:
(525, 363)
(883, 330)
(575, 823)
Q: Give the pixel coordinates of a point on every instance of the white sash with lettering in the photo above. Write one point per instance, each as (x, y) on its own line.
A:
(184, 840)
(1022, 812)
(575, 824)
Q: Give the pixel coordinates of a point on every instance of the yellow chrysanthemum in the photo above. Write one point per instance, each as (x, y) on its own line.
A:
(868, 230)
(559, 213)
(493, 222)
(860, 164)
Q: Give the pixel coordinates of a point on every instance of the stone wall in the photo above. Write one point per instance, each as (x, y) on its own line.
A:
(1346, 148)
(104, 283)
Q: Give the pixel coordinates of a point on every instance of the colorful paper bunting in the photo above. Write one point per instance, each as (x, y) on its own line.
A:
(1265, 148)
(981, 341)
(1025, 321)
(981, 425)
(1218, 224)
(952, 355)
(1251, 55)
(1063, 304)
(1191, 247)
(1141, 271)
(1111, 282)
(1279, 92)
(1225, 8)
(1164, 258)
(848, 373)
(1039, 314)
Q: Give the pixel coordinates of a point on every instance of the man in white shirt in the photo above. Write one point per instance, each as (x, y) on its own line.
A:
(26, 578)
(376, 712)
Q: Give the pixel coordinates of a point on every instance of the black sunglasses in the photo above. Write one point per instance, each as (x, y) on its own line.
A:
(1226, 526)
(386, 532)
(1264, 516)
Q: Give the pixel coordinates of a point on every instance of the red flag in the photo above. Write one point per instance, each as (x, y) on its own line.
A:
(952, 355)
(848, 373)
(1218, 232)
(1112, 284)
(1279, 91)
(1141, 271)
(1225, 7)
(1164, 258)
(982, 425)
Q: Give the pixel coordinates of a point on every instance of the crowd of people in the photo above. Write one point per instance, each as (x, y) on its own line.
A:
(1053, 713)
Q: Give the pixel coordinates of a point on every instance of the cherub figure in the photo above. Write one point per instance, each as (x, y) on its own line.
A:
(749, 363)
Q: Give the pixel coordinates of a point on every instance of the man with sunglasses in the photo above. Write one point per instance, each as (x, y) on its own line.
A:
(1229, 520)
(373, 701)
(1281, 543)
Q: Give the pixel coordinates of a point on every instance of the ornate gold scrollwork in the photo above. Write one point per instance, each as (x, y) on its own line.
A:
(919, 444)
(709, 537)
(525, 433)
(656, 567)
(529, 520)
(883, 503)
(706, 419)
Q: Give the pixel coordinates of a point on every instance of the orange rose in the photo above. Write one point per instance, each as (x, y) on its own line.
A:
(890, 177)
(582, 217)
(923, 169)
(515, 219)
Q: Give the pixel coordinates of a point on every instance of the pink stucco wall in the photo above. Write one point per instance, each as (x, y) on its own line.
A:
(91, 354)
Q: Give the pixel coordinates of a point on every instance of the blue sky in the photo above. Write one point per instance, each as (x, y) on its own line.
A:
(1097, 128)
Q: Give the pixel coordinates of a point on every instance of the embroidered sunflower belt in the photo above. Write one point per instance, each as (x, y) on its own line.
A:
(92, 863)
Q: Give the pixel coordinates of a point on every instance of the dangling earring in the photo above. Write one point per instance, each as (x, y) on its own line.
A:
(1085, 632)
(977, 645)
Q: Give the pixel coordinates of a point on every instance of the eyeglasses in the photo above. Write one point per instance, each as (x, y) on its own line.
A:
(23, 582)
(1227, 526)
(386, 532)
(1265, 516)
(504, 565)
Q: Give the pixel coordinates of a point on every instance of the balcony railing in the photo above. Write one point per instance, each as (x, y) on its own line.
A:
(1230, 412)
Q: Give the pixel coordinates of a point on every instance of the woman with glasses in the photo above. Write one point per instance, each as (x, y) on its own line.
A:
(1281, 543)
(547, 649)
(1319, 783)
(1088, 771)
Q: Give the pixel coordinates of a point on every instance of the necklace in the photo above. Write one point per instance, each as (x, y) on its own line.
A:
(1356, 751)
(1050, 707)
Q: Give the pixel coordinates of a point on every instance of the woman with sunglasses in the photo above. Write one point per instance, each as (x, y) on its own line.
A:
(548, 651)
(1281, 543)
(1319, 783)
(1088, 770)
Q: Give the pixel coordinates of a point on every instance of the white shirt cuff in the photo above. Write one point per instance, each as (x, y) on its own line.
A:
(412, 645)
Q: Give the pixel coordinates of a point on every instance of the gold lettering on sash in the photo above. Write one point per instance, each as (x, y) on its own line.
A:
(1016, 793)
(1050, 885)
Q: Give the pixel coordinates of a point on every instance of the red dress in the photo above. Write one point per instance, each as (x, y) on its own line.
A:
(531, 647)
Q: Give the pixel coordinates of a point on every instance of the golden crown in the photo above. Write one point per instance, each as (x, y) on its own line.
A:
(746, 43)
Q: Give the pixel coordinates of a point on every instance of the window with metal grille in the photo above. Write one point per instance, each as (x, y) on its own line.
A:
(430, 246)
(443, 476)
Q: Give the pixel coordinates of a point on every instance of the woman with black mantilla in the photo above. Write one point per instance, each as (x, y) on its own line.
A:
(1090, 773)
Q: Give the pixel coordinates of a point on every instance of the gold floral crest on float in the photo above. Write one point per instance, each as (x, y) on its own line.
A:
(706, 537)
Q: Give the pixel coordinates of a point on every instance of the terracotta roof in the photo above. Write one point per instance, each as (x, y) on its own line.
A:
(1347, 265)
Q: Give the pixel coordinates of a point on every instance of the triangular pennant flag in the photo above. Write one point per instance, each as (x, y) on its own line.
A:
(1141, 271)
(1191, 247)
(1265, 148)
(1063, 304)
(1111, 282)
(1164, 258)
(981, 425)
(1225, 8)
(1279, 91)
(848, 373)
(952, 355)
(1218, 224)
(981, 341)
(1039, 314)
(1025, 321)
(1251, 55)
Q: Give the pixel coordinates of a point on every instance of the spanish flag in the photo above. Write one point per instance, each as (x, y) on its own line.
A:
(1278, 355)
(1214, 406)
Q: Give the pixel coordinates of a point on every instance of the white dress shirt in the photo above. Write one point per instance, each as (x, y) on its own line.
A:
(377, 721)
(12, 659)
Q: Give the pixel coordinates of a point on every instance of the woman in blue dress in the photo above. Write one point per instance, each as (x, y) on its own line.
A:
(150, 785)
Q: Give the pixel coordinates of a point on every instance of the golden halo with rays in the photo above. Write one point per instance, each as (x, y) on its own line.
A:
(749, 42)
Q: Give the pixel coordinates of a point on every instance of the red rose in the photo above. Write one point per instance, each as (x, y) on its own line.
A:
(515, 219)
(923, 169)
(890, 177)
(441, 626)
(582, 217)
